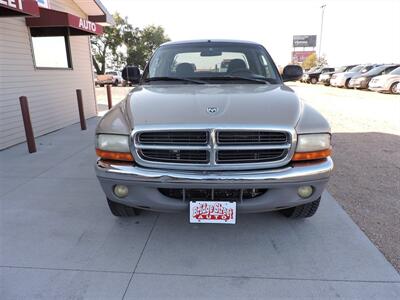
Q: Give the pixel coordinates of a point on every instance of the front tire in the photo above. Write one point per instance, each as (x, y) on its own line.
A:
(347, 84)
(302, 211)
(314, 80)
(121, 210)
(393, 87)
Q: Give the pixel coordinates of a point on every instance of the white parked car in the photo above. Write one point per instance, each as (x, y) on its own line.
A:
(110, 77)
(386, 83)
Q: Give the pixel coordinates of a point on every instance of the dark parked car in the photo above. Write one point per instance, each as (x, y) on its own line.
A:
(361, 81)
(326, 77)
(313, 76)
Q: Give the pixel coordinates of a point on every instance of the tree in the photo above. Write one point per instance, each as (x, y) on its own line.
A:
(322, 61)
(310, 62)
(106, 49)
(122, 43)
(142, 43)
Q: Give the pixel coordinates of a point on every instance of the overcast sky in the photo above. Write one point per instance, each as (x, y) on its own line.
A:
(355, 31)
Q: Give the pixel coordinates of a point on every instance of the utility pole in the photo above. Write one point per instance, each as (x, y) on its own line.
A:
(322, 26)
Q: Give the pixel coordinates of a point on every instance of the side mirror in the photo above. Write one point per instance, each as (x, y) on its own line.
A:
(131, 74)
(292, 73)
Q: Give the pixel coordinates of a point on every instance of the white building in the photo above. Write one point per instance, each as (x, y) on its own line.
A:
(45, 55)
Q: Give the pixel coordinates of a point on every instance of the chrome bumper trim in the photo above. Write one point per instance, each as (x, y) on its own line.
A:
(299, 172)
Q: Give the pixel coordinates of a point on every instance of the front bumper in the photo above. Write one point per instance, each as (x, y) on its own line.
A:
(358, 84)
(338, 81)
(324, 80)
(378, 88)
(281, 184)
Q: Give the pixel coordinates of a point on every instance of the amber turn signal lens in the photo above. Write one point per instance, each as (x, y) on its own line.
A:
(114, 155)
(299, 156)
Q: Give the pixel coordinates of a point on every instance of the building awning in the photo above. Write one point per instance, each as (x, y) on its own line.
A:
(96, 11)
(54, 22)
(18, 8)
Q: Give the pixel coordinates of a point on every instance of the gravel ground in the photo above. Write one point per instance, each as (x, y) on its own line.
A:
(366, 143)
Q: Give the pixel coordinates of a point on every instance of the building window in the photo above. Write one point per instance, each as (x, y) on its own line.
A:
(52, 51)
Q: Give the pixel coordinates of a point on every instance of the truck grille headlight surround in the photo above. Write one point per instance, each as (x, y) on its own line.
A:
(312, 146)
(113, 147)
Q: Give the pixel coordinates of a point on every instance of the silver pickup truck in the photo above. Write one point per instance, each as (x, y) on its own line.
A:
(213, 140)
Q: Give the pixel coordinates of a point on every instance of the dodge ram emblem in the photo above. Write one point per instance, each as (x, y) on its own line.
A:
(212, 110)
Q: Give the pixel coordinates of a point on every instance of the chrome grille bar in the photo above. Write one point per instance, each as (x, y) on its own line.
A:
(225, 148)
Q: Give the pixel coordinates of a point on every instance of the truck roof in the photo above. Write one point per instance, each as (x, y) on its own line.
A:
(209, 41)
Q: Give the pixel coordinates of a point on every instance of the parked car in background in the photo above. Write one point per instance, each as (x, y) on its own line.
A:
(361, 81)
(325, 78)
(305, 76)
(386, 83)
(343, 79)
(313, 77)
(110, 77)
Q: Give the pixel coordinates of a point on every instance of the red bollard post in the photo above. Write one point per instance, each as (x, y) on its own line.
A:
(30, 138)
(109, 96)
(81, 111)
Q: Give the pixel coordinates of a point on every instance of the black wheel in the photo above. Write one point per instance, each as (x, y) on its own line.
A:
(121, 210)
(302, 211)
(314, 80)
(101, 85)
(393, 87)
(347, 84)
(115, 83)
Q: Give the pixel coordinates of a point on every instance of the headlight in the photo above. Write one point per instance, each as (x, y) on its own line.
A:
(113, 142)
(113, 146)
(313, 142)
(313, 146)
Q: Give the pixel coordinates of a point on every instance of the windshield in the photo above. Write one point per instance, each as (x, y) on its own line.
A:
(210, 62)
(396, 71)
(357, 68)
(375, 71)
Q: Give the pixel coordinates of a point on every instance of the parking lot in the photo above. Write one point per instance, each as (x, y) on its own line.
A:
(58, 239)
(366, 127)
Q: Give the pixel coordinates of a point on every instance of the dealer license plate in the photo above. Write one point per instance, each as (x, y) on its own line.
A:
(221, 212)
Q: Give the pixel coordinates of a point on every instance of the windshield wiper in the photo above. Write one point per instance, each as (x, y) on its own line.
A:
(166, 78)
(263, 80)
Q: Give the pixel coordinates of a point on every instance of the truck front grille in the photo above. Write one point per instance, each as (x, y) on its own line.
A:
(251, 137)
(237, 195)
(174, 138)
(209, 149)
(176, 156)
(249, 156)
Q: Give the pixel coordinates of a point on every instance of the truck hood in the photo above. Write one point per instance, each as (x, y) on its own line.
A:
(213, 104)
